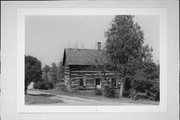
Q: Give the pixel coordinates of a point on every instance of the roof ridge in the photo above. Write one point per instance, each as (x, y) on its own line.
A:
(83, 49)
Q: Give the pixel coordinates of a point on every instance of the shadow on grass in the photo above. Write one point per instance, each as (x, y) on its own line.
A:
(41, 95)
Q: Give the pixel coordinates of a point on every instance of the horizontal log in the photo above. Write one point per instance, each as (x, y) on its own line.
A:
(67, 74)
(73, 74)
(90, 71)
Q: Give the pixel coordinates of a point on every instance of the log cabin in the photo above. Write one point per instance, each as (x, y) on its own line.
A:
(84, 69)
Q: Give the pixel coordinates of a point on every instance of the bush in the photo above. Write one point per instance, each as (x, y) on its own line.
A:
(98, 92)
(109, 91)
(153, 95)
(140, 96)
(135, 95)
(62, 88)
(59, 84)
(149, 86)
(146, 95)
(44, 85)
(82, 88)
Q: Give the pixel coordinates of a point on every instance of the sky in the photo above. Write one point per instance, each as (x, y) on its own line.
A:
(47, 36)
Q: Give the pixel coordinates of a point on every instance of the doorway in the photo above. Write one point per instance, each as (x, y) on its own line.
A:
(98, 83)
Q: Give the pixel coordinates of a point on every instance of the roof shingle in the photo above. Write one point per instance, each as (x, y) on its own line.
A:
(74, 56)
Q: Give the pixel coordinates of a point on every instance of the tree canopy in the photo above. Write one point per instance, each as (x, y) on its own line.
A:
(53, 73)
(45, 70)
(32, 70)
(129, 57)
(124, 45)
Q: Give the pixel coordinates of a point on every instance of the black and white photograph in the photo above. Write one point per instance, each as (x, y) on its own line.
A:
(92, 60)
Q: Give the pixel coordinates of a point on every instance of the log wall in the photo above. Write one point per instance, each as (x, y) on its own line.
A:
(67, 77)
(73, 74)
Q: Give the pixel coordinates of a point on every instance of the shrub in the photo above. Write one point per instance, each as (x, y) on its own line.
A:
(44, 85)
(132, 94)
(64, 88)
(82, 88)
(109, 91)
(98, 92)
(59, 84)
(153, 95)
(36, 85)
(140, 96)
(137, 95)
(147, 84)
(146, 95)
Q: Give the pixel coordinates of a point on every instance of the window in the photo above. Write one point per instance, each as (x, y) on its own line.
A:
(81, 82)
(97, 81)
(113, 82)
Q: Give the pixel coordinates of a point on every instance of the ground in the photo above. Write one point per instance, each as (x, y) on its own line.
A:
(58, 97)
(36, 97)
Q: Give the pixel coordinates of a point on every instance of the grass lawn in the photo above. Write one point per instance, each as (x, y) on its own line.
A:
(90, 95)
(31, 99)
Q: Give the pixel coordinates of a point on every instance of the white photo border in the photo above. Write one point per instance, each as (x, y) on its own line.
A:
(21, 13)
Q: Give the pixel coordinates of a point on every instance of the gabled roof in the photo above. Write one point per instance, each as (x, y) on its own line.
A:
(74, 56)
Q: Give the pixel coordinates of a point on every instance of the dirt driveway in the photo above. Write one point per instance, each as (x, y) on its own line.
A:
(71, 100)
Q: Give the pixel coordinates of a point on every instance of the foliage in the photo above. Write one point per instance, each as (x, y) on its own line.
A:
(61, 88)
(43, 85)
(59, 84)
(109, 91)
(53, 73)
(60, 72)
(124, 46)
(82, 88)
(124, 43)
(45, 72)
(130, 59)
(137, 96)
(32, 70)
(146, 80)
(127, 88)
(98, 92)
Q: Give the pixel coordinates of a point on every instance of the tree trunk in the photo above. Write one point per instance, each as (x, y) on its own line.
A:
(121, 90)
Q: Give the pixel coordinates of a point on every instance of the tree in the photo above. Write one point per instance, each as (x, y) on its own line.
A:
(60, 72)
(45, 72)
(146, 80)
(124, 46)
(32, 70)
(53, 73)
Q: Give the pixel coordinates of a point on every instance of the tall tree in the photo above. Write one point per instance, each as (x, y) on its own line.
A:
(124, 46)
(32, 70)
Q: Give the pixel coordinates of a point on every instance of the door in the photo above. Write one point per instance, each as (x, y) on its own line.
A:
(82, 81)
(98, 83)
(113, 82)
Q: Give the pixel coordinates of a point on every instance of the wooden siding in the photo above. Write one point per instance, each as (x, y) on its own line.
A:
(67, 77)
(73, 74)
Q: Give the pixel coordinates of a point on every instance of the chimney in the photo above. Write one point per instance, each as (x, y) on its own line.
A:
(99, 45)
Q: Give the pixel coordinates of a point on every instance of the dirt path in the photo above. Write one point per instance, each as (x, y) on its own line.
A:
(69, 100)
